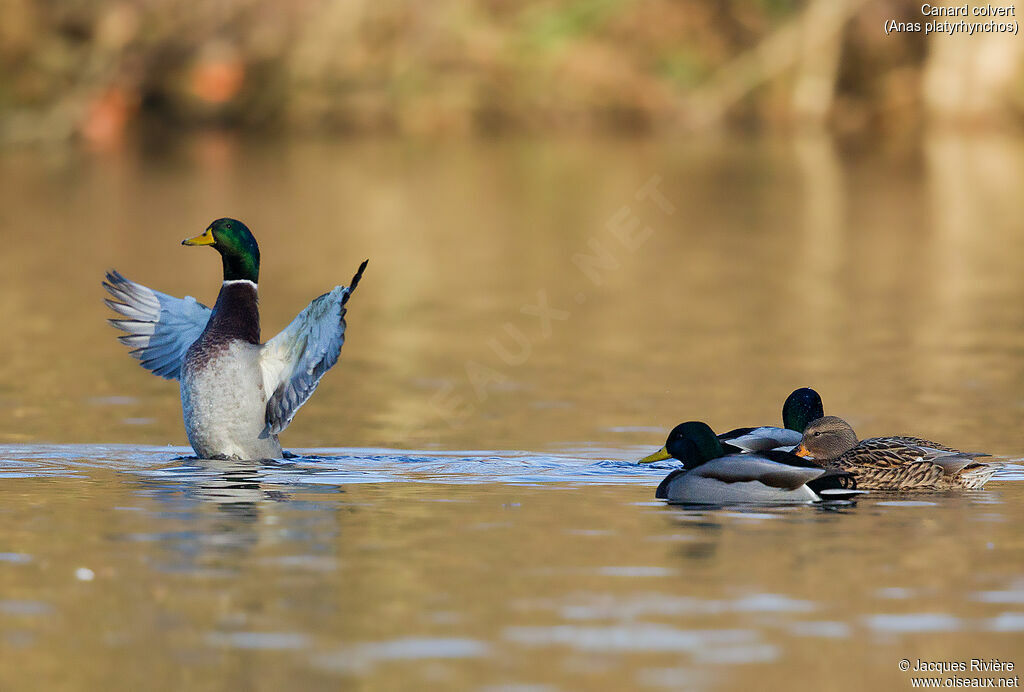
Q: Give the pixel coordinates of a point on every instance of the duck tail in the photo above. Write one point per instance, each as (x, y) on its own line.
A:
(835, 485)
(833, 480)
(355, 281)
(976, 475)
(830, 494)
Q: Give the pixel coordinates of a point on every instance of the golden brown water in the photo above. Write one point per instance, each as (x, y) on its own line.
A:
(529, 296)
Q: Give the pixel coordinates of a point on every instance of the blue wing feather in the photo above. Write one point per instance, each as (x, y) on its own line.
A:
(159, 327)
(296, 359)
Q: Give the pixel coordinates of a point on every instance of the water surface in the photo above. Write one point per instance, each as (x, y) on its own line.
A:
(383, 569)
(462, 513)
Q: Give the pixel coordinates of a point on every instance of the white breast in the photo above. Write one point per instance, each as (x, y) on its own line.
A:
(224, 405)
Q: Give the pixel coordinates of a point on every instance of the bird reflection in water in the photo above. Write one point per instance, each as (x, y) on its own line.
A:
(234, 486)
(238, 490)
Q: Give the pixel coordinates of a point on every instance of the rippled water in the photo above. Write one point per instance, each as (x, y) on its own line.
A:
(516, 307)
(479, 570)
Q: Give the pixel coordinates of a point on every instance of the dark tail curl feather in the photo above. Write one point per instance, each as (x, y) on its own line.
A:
(355, 281)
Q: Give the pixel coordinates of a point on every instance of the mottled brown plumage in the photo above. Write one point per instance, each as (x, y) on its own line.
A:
(893, 463)
(918, 441)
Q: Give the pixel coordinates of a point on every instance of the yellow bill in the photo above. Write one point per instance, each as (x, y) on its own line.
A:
(801, 451)
(660, 455)
(205, 239)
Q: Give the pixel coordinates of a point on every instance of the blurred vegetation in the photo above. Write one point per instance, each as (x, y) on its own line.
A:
(83, 69)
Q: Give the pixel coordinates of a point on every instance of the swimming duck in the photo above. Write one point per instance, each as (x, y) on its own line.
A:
(710, 475)
(799, 409)
(892, 463)
(237, 394)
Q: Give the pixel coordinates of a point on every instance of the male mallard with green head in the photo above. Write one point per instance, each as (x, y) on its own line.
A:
(713, 475)
(893, 463)
(236, 393)
(800, 408)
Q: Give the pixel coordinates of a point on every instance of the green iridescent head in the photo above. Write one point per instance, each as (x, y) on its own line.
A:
(692, 443)
(801, 407)
(238, 249)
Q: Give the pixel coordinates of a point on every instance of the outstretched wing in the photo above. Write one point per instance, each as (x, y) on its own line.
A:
(294, 361)
(159, 327)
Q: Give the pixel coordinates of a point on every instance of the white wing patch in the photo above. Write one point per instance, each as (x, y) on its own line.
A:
(159, 327)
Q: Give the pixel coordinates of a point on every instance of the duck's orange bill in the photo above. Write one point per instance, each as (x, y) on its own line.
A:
(801, 451)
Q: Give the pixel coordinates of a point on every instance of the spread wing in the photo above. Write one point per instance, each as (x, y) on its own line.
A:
(294, 361)
(159, 327)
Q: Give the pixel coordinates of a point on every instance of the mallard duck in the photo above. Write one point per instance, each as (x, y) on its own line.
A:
(710, 475)
(799, 409)
(892, 463)
(237, 394)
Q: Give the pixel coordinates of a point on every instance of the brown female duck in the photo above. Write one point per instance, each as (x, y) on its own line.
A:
(892, 463)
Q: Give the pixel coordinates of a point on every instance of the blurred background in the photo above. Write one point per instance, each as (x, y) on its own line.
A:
(103, 71)
(834, 207)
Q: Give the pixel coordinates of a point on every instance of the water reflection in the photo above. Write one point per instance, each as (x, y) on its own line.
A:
(238, 492)
(234, 486)
(482, 569)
